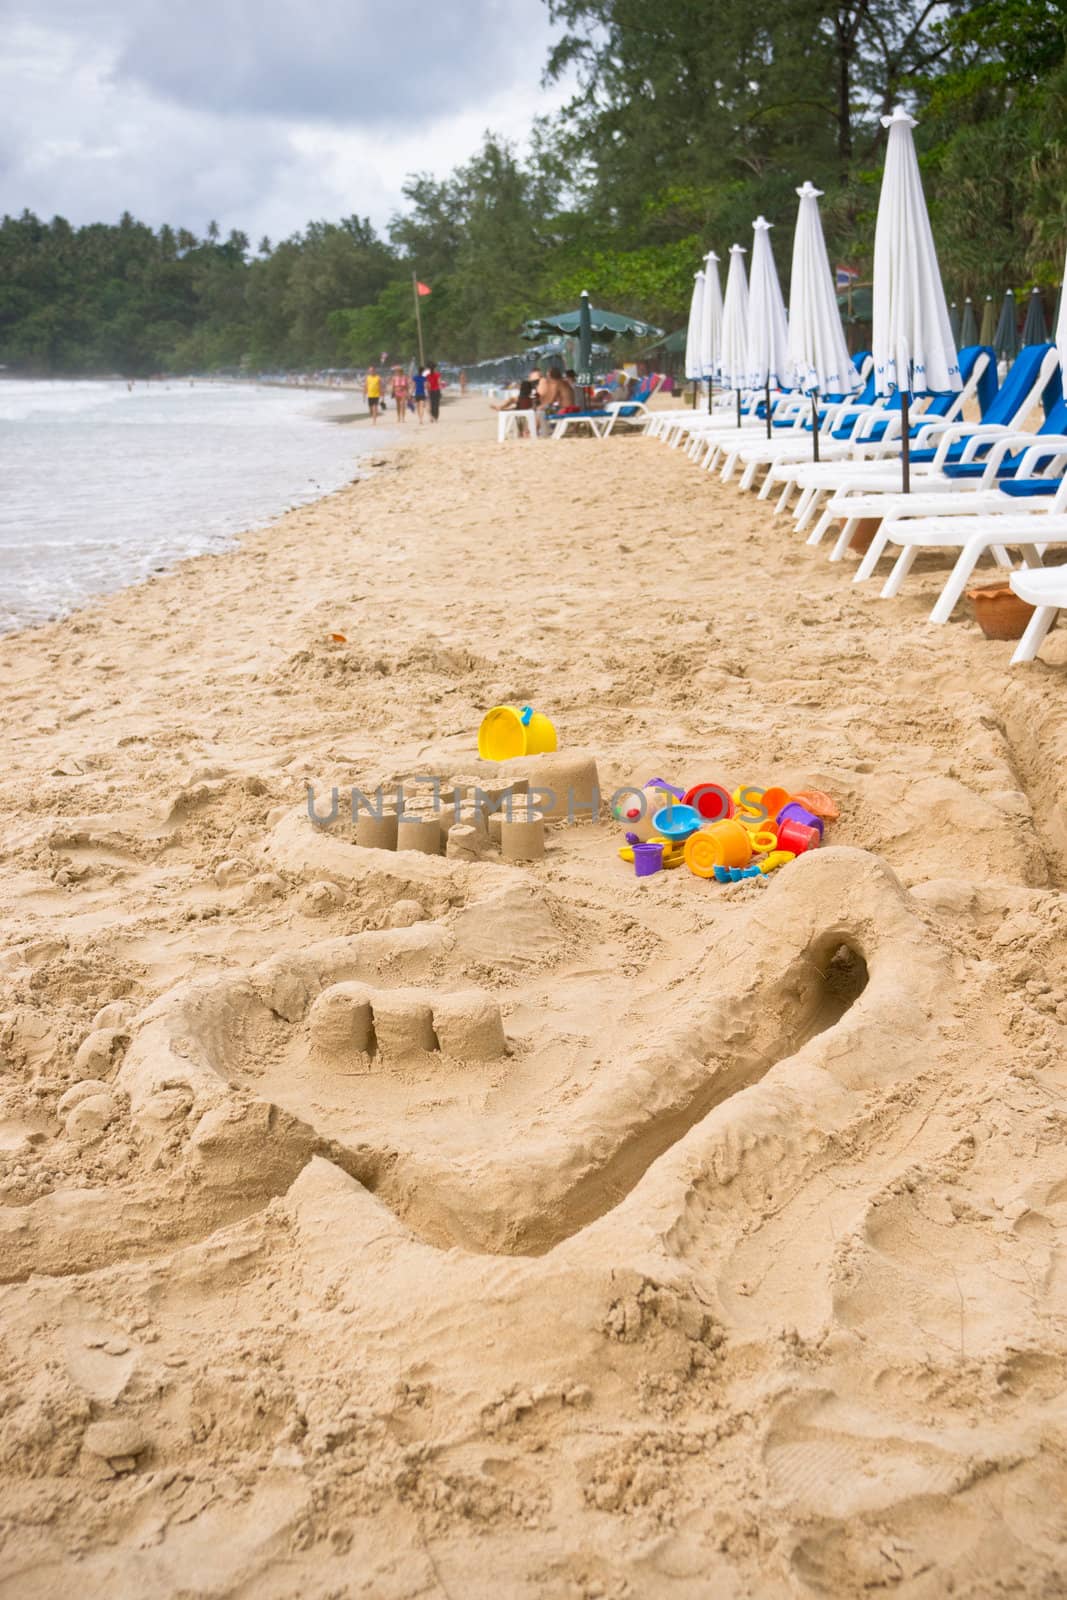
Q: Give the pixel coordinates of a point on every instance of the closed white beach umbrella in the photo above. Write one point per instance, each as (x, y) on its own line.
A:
(711, 323)
(768, 360)
(693, 369)
(818, 354)
(734, 372)
(914, 352)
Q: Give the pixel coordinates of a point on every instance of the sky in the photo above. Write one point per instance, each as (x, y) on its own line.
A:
(258, 114)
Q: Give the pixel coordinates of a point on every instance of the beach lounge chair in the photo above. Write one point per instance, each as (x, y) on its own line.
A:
(843, 432)
(1033, 378)
(1045, 588)
(974, 537)
(790, 412)
(879, 434)
(684, 426)
(1011, 497)
(635, 412)
(838, 415)
(602, 419)
(957, 491)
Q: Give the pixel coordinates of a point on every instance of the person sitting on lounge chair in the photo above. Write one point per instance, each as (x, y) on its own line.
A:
(523, 400)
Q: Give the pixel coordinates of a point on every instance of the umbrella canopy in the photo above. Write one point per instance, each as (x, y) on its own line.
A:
(913, 346)
(968, 325)
(693, 369)
(1035, 328)
(606, 326)
(735, 323)
(989, 321)
(711, 320)
(857, 306)
(585, 341)
(819, 361)
(1060, 331)
(954, 323)
(767, 355)
(1006, 339)
(914, 351)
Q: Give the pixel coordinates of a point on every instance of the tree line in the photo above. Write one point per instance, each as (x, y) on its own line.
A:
(688, 120)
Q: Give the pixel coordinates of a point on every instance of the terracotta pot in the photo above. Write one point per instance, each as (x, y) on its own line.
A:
(1000, 612)
(863, 534)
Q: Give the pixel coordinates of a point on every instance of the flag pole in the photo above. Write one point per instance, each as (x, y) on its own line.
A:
(418, 316)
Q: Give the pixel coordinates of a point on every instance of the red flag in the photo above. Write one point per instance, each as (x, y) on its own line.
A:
(423, 288)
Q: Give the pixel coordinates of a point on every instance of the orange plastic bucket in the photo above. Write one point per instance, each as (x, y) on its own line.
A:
(724, 844)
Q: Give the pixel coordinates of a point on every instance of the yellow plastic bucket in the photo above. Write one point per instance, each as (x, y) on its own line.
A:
(507, 732)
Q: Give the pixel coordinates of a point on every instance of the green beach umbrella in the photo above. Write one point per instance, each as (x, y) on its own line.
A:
(1006, 338)
(954, 323)
(861, 308)
(1035, 328)
(585, 340)
(968, 325)
(606, 326)
(989, 321)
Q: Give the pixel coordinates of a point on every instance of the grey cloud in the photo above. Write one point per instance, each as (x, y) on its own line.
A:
(347, 61)
(205, 111)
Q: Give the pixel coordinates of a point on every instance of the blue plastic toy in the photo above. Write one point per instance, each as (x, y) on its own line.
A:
(676, 822)
(735, 874)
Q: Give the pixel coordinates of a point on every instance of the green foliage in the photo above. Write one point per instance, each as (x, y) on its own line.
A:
(689, 121)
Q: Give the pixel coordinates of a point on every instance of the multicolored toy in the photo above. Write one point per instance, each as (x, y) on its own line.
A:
(510, 731)
(799, 838)
(673, 851)
(776, 859)
(720, 836)
(676, 822)
(795, 812)
(724, 844)
(648, 857)
(714, 803)
(821, 804)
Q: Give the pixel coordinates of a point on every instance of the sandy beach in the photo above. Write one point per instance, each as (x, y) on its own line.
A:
(656, 1238)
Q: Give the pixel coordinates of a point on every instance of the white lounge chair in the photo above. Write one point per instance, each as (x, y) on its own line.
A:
(1047, 590)
(951, 441)
(973, 537)
(876, 437)
(966, 497)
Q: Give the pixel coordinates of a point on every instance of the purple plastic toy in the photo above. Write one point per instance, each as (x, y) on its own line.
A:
(648, 858)
(798, 813)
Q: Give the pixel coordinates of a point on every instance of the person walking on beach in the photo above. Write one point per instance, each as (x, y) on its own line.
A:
(418, 384)
(372, 392)
(433, 384)
(399, 389)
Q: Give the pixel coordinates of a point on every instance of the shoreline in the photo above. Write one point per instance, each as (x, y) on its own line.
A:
(645, 1199)
(362, 465)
